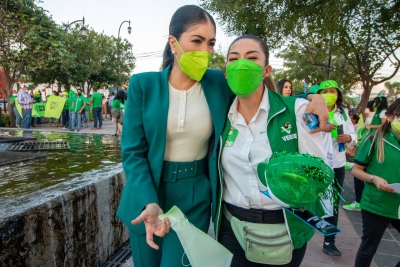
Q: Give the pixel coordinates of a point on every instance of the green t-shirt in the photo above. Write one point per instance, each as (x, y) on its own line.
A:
(38, 99)
(373, 200)
(117, 104)
(87, 101)
(67, 103)
(12, 98)
(97, 98)
(77, 103)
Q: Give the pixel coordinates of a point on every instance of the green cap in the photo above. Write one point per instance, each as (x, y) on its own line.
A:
(329, 84)
(314, 88)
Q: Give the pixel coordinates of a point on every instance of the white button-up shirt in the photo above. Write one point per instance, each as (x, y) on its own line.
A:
(339, 158)
(251, 146)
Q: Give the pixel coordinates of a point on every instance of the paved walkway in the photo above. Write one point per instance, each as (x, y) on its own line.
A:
(348, 241)
(108, 127)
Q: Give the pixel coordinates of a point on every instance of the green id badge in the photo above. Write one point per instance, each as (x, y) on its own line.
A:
(232, 135)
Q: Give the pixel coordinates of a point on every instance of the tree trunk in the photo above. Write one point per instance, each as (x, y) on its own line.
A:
(8, 92)
(364, 97)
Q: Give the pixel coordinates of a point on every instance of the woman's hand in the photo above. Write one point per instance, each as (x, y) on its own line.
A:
(344, 138)
(318, 107)
(153, 225)
(382, 184)
(367, 127)
(330, 127)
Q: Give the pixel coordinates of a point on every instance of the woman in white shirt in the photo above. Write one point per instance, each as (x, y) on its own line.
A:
(369, 113)
(256, 118)
(342, 132)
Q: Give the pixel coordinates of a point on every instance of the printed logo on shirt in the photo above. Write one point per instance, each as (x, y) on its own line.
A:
(232, 135)
(287, 128)
(263, 132)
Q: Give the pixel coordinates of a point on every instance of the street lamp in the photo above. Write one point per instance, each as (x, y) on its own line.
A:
(119, 30)
(129, 27)
(83, 29)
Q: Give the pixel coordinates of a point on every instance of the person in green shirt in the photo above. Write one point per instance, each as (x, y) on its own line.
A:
(65, 112)
(117, 110)
(38, 98)
(77, 107)
(13, 101)
(377, 164)
(95, 102)
(85, 113)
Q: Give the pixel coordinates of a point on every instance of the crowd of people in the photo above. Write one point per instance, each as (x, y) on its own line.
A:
(76, 110)
(193, 138)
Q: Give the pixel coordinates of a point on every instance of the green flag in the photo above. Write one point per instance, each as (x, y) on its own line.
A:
(38, 109)
(18, 106)
(54, 106)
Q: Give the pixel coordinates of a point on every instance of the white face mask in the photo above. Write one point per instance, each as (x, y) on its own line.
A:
(14, 94)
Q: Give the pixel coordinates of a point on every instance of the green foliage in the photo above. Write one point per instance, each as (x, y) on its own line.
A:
(29, 40)
(360, 34)
(99, 60)
(5, 120)
(393, 88)
(33, 47)
(218, 61)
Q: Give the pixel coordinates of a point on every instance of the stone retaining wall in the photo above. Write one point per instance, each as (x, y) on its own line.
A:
(70, 224)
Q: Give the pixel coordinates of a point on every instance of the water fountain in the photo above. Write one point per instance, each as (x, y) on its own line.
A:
(61, 210)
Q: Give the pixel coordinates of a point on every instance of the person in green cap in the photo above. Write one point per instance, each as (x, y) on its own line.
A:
(314, 88)
(95, 102)
(77, 107)
(342, 134)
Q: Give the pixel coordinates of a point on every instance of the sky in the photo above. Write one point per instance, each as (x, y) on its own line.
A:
(149, 21)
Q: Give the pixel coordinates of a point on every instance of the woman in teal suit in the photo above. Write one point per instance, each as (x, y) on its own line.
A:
(173, 121)
(170, 118)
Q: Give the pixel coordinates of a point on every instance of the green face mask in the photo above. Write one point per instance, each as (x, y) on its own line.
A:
(244, 76)
(396, 126)
(375, 106)
(194, 63)
(330, 99)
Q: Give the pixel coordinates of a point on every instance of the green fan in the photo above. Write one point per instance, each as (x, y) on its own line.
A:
(295, 180)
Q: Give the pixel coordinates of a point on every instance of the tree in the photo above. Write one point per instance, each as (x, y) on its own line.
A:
(218, 61)
(28, 40)
(308, 64)
(362, 32)
(393, 88)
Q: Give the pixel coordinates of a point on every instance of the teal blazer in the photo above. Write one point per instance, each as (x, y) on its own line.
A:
(144, 137)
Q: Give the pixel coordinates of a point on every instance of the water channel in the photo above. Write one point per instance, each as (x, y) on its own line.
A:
(89, 152)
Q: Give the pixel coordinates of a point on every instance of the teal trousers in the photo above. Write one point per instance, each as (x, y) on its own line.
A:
(193, 197)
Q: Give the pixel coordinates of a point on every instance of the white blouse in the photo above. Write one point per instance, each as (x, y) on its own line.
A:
(189, 125)
(251, 146)
(368, 118)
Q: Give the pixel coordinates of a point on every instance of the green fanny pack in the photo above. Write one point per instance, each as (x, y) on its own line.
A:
(263, 243)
